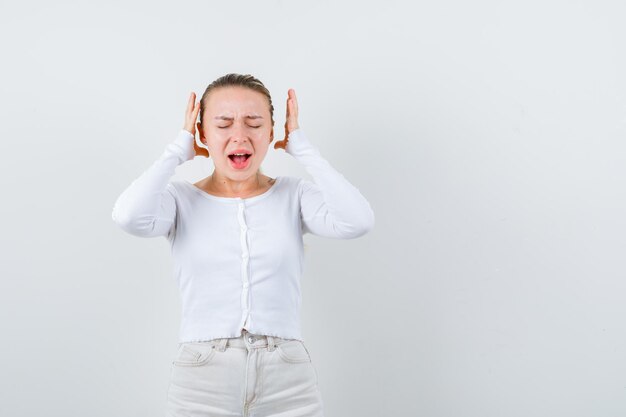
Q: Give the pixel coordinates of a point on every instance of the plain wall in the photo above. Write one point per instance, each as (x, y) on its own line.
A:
(488, 136)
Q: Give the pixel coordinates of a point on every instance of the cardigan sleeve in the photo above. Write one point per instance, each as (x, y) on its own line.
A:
(330, 205)
(147, 208)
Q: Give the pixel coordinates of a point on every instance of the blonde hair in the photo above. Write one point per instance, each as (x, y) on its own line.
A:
(237, 80)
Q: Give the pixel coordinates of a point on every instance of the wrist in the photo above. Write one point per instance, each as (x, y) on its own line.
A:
(185, 142)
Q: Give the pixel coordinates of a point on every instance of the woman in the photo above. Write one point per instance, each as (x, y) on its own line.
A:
(236, 241)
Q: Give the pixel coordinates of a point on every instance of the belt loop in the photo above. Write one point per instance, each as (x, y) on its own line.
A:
(270, 343)
(221, 344)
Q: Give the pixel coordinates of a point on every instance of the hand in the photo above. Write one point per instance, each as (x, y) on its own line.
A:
(191, 116)
(292, 118)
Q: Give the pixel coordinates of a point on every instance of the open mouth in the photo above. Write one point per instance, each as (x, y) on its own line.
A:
(239, 161)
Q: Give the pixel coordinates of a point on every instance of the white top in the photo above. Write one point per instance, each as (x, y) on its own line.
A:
(238, 261)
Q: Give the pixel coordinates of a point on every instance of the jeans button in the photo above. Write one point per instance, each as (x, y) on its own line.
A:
(251, 339)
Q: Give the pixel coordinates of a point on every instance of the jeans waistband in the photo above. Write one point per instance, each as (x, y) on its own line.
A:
(249, 340)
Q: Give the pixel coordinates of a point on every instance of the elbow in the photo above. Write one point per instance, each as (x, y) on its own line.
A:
(367, 219)
(371, 221)
(120, 217)
(123, 221)
(367, 223)
(359, 226)
(117, 218)
(120, 214)
(129, 224)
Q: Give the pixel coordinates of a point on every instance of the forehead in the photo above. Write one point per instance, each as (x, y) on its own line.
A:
(236, 100)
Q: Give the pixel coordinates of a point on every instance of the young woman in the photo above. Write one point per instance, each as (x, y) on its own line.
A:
(236, 242)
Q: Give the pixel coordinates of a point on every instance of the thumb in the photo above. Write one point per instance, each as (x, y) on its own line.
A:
(200, 151)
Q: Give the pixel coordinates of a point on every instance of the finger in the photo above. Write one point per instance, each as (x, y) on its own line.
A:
(190, 102)
(200, 150)
(196, 110)
(282, 144)
(292, 111)
(295, 104)
(294, 101)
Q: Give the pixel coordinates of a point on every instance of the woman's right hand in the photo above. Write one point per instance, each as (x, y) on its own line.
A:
(191, 117)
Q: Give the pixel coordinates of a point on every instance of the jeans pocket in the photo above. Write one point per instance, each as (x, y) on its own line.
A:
(194, 354)
(293, 351)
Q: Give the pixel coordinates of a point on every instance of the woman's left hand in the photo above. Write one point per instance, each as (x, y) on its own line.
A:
(292, 118)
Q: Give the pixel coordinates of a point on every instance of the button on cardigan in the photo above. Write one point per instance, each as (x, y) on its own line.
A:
(238, 261)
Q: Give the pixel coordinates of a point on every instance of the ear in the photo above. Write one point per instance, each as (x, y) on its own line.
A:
(272, 135)
(200, 133)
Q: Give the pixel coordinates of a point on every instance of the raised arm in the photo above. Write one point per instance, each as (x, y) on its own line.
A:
(147, 208)
(330, 206)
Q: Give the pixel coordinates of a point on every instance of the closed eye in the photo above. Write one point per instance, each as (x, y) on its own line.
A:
(224, 127)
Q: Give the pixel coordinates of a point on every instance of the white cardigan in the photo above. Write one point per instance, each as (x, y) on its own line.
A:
(238, 261)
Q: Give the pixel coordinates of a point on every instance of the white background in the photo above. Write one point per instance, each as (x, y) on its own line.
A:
(488, 136)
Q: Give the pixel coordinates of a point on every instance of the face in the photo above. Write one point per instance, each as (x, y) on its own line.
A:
(236, 120)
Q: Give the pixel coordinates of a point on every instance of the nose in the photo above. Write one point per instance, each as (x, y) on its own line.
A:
(239, 134)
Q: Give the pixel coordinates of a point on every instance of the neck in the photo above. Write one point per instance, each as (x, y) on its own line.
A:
(229, 186)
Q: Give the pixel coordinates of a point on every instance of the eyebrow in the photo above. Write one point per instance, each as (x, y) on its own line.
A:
(231, 118)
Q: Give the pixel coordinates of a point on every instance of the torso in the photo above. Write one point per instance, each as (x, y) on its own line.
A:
(266, 184)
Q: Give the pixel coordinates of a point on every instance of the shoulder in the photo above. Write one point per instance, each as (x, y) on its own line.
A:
(174, 186)
(300, 189)
(289, 187)
(177, 188)
(289, 184)
(287, 180)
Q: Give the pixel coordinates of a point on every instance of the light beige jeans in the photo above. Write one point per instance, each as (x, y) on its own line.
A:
(249, 376)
